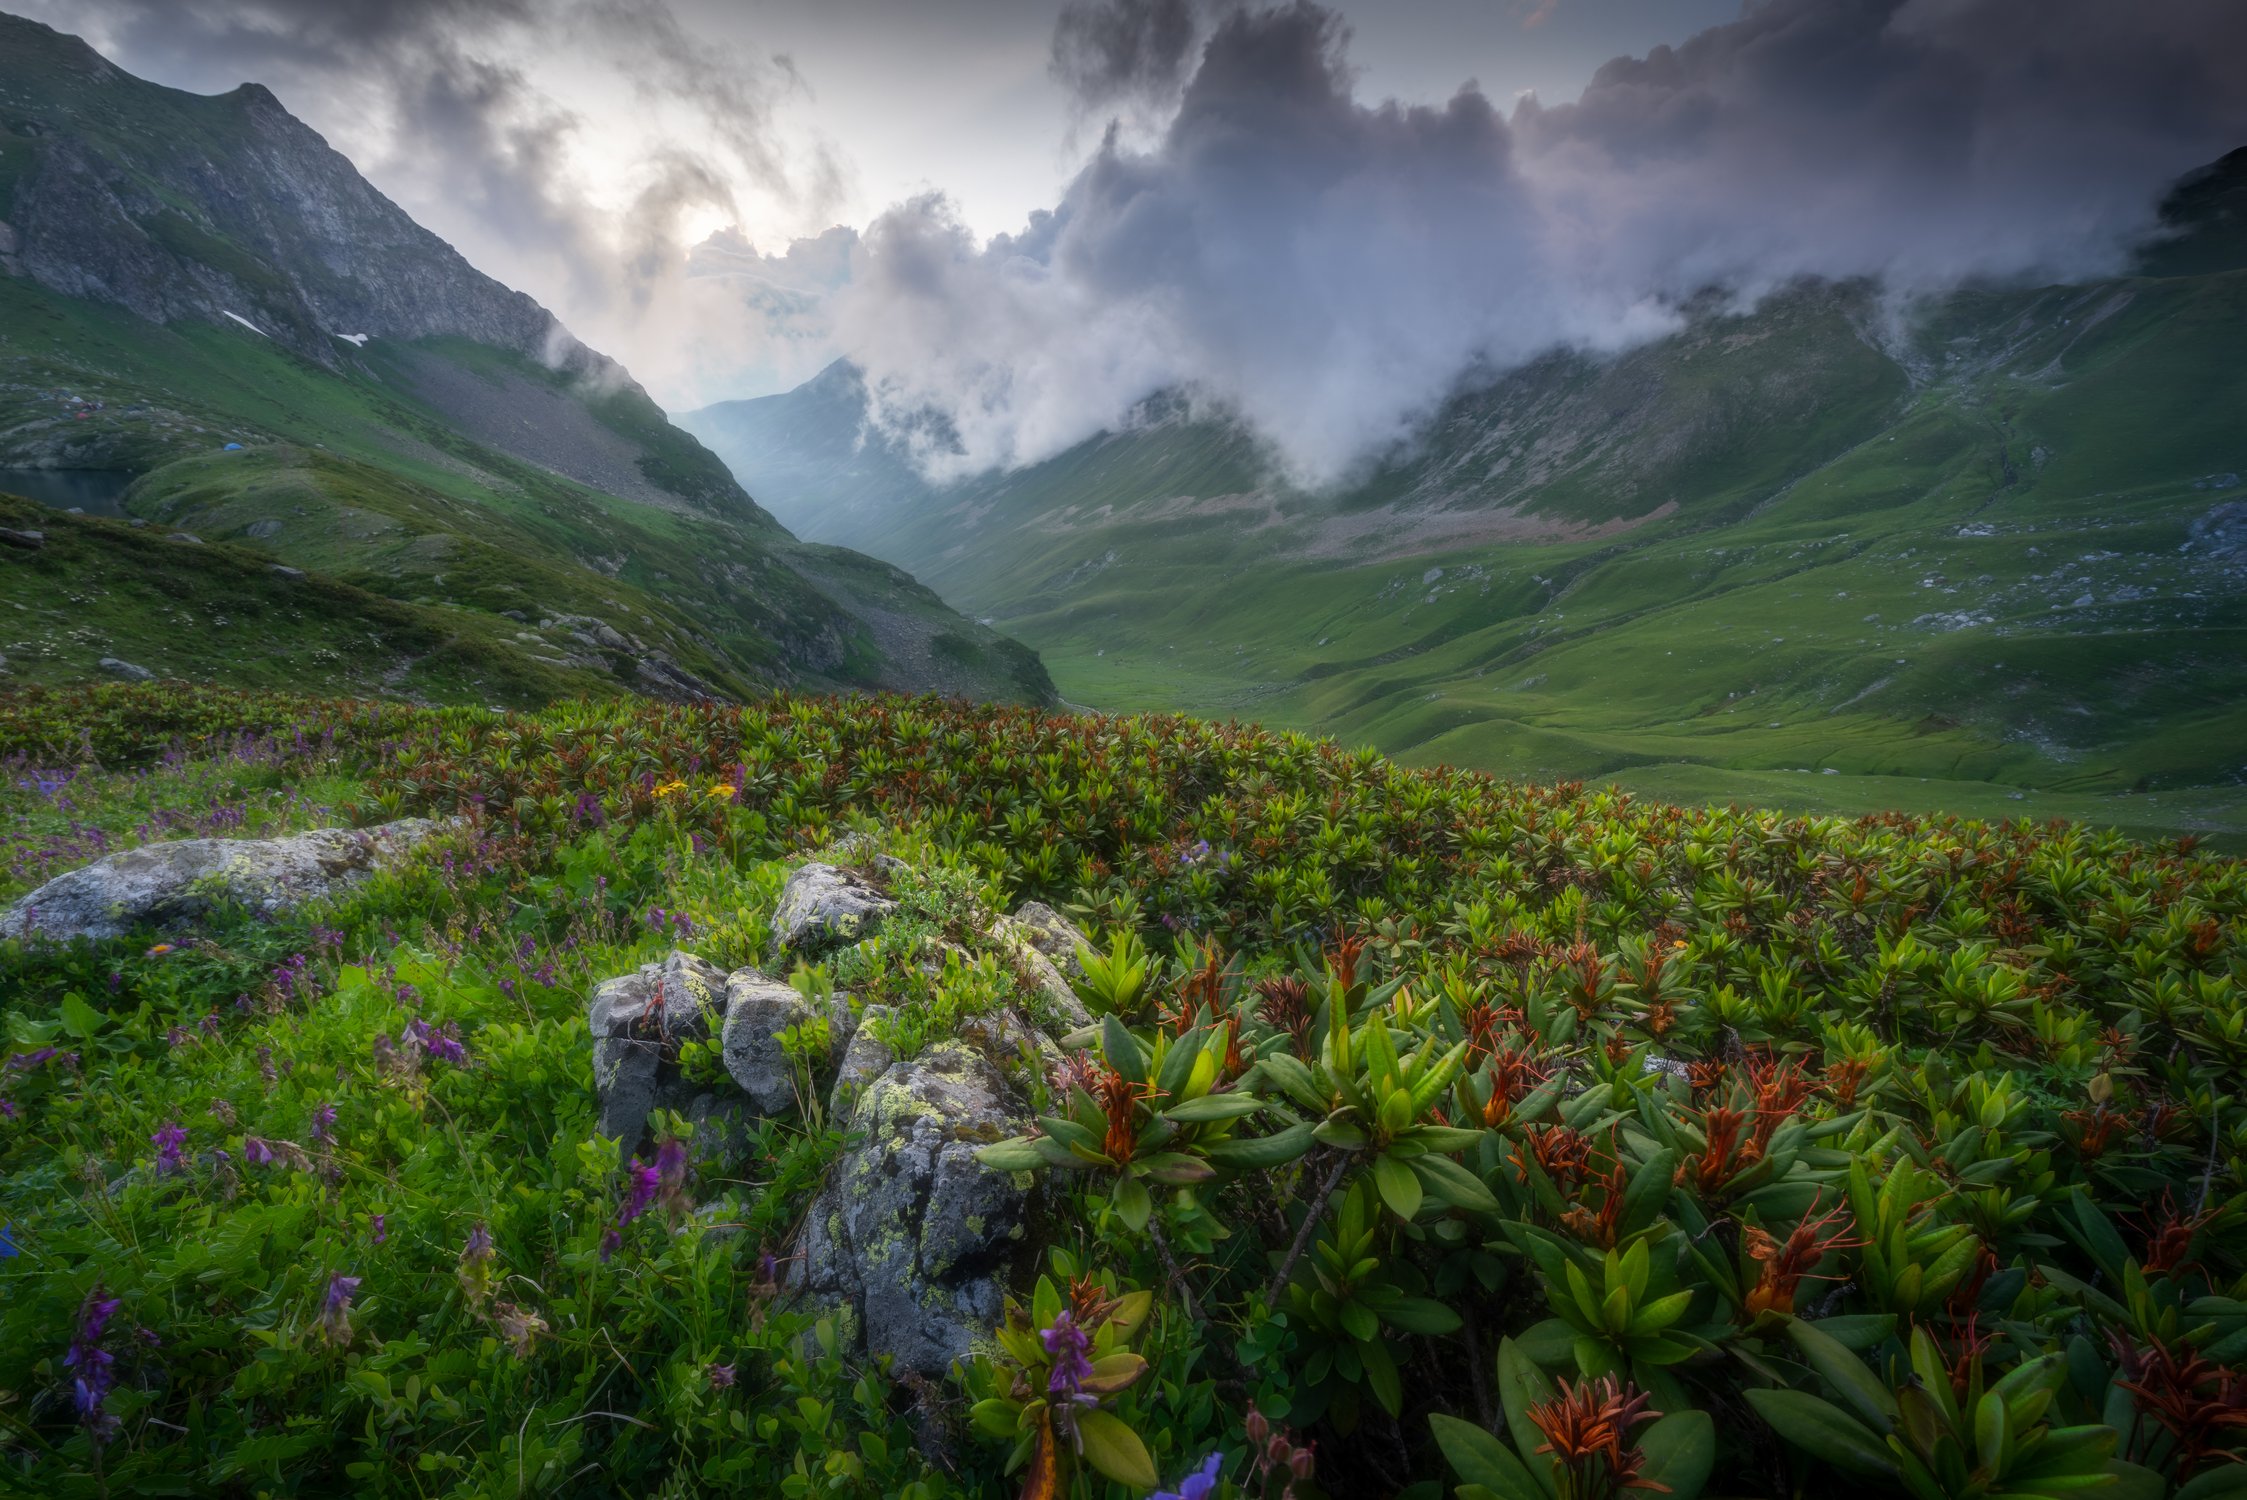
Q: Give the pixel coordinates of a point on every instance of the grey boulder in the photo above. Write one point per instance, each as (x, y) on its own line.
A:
(912, 1232)
(639, 1022)
(822, 906)
(758, 1011)
(177, 882)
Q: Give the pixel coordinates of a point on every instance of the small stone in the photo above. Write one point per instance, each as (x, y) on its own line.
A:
(185, 536)
(284, 570)
(125, 669)
(29, 541)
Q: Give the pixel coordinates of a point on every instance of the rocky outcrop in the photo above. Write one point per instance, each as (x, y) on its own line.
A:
(639, 1022)
(913, 1233)
(822, 907)
(159, 885)
(912, 1237)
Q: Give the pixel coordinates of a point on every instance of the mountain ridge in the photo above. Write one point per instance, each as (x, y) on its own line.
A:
(200, 293)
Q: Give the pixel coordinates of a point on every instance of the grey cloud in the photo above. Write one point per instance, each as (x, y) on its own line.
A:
(1329, 269)
(1111, 52)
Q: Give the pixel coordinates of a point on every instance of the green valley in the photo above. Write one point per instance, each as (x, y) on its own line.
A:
(1986, 554)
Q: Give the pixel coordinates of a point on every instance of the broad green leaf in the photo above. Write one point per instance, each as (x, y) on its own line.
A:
(1480, 1459)
(1399, 1188)
(1211, 1107)
(1824, 1431)
(1865, 1392)
(1454, 1184)
(80, 1019)
(1680, 1451)
(1520, 1385)
(1122, 1050)
(1017, 1155)
(1132, 1203)
(1274, 1150)
(1420, 1315)
(1115, 1450)
(1176, 1168)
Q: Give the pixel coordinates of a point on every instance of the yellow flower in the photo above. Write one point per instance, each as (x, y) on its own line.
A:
(159, 949)
(722, 790)
(670, 788)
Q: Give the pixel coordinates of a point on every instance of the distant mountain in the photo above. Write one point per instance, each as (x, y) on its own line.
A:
(813, 445)
(1998, 541)
(199, 293)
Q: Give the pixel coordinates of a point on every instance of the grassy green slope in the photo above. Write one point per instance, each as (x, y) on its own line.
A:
(358, 477)
(101, 589)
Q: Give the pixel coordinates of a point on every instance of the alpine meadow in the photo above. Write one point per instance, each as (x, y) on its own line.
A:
(1239, 750)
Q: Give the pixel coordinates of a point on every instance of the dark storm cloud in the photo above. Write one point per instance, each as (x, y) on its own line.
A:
(1118, 53)
(1330, 268)
(1921, 142)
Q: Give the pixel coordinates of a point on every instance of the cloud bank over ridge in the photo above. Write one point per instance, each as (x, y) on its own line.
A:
(1329, 268)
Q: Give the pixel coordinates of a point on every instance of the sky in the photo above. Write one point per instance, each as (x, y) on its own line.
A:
(1026, 216)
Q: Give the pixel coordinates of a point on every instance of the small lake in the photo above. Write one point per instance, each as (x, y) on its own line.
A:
(97, 492)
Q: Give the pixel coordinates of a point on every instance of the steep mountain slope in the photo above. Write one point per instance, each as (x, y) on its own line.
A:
(180, 275)
(1812, 553)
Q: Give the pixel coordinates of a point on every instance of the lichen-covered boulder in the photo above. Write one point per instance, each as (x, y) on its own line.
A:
(758, 1010)
(639, 1022)
(912, 1232)
(823, 906)
(169, 884)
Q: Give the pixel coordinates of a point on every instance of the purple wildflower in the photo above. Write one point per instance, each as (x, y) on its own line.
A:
(7, 1109)
(323, 1123)
(91, 1365)
(721, 1377)
(442, 1043)
(1199, 1485)
(167, 1142)
(479, 1246)
(671, 1169)
(611, 1241)
(380, 1225)
(1068, 1344)
(644, 1182)
(335, 1310)
(257, 1151)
